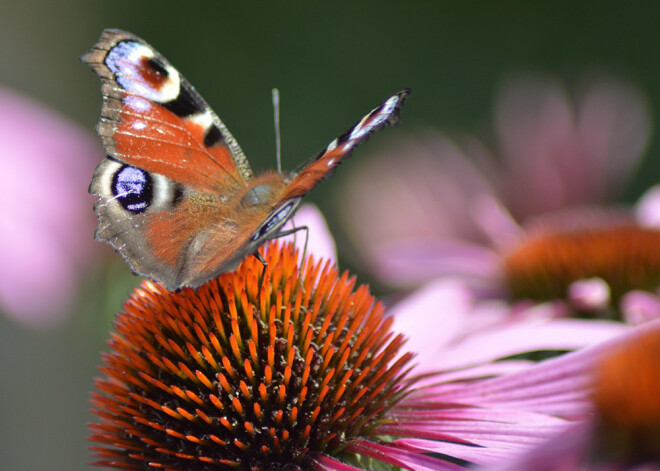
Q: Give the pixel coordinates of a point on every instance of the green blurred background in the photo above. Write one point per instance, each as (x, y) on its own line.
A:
(332, 62)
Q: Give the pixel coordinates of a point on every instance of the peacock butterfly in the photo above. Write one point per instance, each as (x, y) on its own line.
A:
(177, 197)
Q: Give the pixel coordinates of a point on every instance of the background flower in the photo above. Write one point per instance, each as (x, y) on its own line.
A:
(47, 227)
(457, 211)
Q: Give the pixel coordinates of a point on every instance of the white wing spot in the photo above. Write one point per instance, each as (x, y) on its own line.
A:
(137, 103)
(377, 119)
(331, 146)
(204, 119)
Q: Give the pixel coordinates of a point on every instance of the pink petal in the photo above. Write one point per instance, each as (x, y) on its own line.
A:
(325, 463)
(527, 336)
(564, 451)
(410, 410)
(639, 307)
(432, 318)
(413, 261)
(320, 242)
(552, 382)
(558, 155)
(398, 456)
(48, 225)
(614, 128)
(648, 208)
(476, 372)
(592, 294)
(537, 135)
(498, 440)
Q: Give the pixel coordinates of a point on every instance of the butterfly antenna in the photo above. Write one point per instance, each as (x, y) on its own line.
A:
(278, 141)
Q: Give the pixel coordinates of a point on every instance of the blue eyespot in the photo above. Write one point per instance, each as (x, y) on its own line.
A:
(133, 189)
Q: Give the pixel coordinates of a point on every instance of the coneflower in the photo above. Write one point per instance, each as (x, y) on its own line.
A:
(304, 374)
(554, 260)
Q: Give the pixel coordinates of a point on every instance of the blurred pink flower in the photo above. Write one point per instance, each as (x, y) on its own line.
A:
(48, 224)
(622, 431)
(320, 242)
(457, 211)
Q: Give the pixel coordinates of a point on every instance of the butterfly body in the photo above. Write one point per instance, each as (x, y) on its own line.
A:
(177, 197)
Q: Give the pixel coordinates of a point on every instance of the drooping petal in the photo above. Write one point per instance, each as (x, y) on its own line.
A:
(414, 261)
(319, 241)
(529, 335)
(399, 456)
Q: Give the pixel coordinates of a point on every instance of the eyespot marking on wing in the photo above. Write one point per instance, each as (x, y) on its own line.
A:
(133, 189)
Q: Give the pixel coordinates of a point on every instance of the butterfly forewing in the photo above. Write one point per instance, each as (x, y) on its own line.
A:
(154, 119)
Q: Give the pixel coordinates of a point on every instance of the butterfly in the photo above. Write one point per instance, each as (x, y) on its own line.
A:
(176, 195)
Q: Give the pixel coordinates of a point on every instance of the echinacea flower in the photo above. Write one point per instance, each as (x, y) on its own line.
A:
(305, 373)
(533, 224)
(47, 221)
(623, 430)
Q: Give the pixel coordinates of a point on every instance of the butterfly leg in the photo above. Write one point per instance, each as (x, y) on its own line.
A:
(263, 261)
(294, 231)
(260, 257)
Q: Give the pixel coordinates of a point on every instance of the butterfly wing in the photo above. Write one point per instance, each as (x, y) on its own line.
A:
(172, 168)
(154, 119)
(325, 162)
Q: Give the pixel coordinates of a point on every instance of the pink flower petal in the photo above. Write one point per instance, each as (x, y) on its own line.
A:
(320, 241)
(592, 294)
(414, 261)
(550, 382)
(526, 336)
(648, 208)
(614, 129)
(325, 463)
(639, 307)
(537, 135)
(432, 318)
(48, 226)
(561, 452)
(398, 456)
